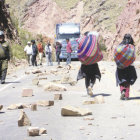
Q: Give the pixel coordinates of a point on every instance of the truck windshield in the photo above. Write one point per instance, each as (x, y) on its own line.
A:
(69, 29)
(65, 36)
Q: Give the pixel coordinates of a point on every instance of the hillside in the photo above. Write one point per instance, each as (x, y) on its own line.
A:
(6, 24)
(109, 17)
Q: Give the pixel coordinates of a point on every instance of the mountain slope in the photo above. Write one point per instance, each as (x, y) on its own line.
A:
(6, 23)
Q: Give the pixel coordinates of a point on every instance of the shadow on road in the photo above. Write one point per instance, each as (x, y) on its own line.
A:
(12, 82)
(2, 112)
(134, 98)
(102, 94)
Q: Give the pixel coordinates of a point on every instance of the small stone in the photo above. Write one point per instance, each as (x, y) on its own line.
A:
(34, 107)
(54, 87)
(27, 93)
(114, 118)
(99, 99)
(21, 106)
(26, 72)
(42, 131)
(36, 71)
(90, 124)
(12, 107)
(131, 125)
(88, 102)
(68, 80)
(45, 103)
(1, 106)
(82, 128)
(23, 120)
(35, 81)
(58, 97)
(88, 119)
(74, 111)
(33, 131)
(17, 106)
(60, 66)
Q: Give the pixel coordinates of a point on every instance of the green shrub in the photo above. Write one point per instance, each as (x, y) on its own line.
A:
(102, 44)
(17, 51)
(25, 36)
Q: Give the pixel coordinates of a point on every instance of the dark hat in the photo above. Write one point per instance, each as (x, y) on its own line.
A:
(33, 41)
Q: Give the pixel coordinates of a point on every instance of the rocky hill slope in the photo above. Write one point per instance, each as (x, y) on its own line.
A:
(111, 18)
(6, 23)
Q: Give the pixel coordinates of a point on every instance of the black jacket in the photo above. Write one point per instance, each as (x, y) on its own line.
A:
(35, 50)
(128, 75)
(89, 71)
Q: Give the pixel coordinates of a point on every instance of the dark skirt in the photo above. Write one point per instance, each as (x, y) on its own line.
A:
(89, 71)
(127, 75)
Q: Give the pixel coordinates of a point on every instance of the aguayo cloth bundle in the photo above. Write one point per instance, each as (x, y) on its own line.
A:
(88, 50)
(124, 55)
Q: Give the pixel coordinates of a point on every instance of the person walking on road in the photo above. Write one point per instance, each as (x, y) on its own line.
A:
(90, 73)
(69, 51)
(48, 50)
(126, 76)
(28, 51)
(58, 51)
(5, 55)
(40, 50)
(34, 53)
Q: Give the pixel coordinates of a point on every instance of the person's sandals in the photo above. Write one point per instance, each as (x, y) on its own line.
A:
(90, 92)
(2, 82)
(122, 95)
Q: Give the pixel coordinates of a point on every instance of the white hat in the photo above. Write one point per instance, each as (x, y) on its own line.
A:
(28, 42)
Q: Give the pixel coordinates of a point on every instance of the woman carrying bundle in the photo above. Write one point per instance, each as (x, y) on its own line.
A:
(125, 73)
(89, 69)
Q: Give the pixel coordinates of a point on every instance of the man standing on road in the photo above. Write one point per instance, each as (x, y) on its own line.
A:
(34, 53)
(69, 50)
(4, 57)
(28, 51)
(40, 50)
(58, 51)
(48, 50)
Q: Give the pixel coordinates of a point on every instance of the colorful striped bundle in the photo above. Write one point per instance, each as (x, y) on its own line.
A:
(124, 55)
(88, 50)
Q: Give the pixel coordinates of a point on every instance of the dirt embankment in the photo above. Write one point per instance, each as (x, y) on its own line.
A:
(6, 23)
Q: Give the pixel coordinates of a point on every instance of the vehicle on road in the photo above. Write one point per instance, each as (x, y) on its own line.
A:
(71, 31)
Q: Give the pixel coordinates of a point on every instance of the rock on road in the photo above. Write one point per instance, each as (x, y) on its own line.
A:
(113, 119)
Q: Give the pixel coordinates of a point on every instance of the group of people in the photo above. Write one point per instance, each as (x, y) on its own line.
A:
(32, 50)
(124, 77)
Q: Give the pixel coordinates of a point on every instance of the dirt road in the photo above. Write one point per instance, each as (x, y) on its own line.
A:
(113, 119)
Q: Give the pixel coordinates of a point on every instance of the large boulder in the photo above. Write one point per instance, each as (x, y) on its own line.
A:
(27, 93)
(23, 120)
(75, 111)
(33, 131)
(1, 106)
(17, 106)
(54, 87)
(68, 80)
(45, 103)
